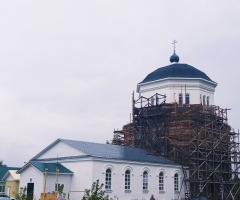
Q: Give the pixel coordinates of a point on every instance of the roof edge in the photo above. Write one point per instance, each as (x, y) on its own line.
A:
(172, 78)
(45, 149)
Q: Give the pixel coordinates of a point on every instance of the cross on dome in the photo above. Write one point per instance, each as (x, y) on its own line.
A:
(174, 57)
(174, 47)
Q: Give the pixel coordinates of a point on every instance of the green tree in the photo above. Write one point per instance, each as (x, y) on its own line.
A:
(2, 165)
(23, 194)
(96, 192)
(62, 195)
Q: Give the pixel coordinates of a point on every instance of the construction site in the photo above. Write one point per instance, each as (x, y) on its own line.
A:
(196, 136)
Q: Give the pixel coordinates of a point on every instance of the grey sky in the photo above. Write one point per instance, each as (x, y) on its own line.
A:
(68, 68)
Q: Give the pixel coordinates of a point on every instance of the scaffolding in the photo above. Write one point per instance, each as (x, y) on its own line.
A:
(196, 136)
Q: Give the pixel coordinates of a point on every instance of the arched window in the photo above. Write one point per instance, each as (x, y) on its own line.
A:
(180, 99)
(204, 100)
(145, 180)
(108, 179)
(207, 101)
(152, 101)
(161, 181)
(176, 182)
(187, 99)
(127, 180)
(157, 100)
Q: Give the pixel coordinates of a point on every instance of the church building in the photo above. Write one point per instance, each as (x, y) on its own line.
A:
(127, 173)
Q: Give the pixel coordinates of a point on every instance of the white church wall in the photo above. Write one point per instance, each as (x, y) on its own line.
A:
(173, 87)
(137, 169)
(82, 177)
(87, 171)
(65, 179)
(60, 150)
(37, 178)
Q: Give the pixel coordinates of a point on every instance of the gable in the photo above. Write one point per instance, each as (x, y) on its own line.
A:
(9, 177)
(59, 149)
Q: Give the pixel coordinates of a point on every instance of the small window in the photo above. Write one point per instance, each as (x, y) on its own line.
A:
(127, 180)
(161, 181)
(57, 187)
(187, 99)
(108, 180)
(180, 99)
(204, 100)
(152, 101)
(1, 189)
(157, 100)
(145, 180)
(176, 182)
(207, 101)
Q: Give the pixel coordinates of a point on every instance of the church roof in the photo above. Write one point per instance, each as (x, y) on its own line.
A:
(176, 70)
(110, 152)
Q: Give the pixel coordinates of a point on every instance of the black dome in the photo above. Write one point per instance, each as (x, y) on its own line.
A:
(177, 71)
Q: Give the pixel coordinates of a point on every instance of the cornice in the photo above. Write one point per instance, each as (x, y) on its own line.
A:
(176, 78)
(189, 87)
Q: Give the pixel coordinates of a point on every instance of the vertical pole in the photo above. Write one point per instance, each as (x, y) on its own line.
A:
(181, 95)
(45, 181)
(185, 92)
(57, 171)
(133, 106)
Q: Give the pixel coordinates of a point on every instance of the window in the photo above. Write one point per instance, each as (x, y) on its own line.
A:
(187, 99)
(145, 180)
(1, 189)
(156, 100)
(108, 181)
(207, 101)
(180, 99)
(204, 99)
(176, 186)
(152, 101)
(57, 187)
(161, 181)
(127, 180)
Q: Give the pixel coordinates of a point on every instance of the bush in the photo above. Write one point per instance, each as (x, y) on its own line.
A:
(96, 192)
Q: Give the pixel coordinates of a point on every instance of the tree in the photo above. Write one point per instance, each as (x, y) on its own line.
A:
(62, 195)
(96, 192)
(22, 195)
(2, 165)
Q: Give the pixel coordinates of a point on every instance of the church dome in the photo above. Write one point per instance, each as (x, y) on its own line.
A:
(176, 71)
(174, 58)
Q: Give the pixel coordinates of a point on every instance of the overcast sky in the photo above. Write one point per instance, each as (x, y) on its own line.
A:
(68, 68)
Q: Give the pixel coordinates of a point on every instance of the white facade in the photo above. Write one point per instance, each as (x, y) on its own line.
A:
(172, 87)
(86, 170)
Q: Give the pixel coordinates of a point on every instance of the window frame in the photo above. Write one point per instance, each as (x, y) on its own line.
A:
(161, 181)
(187, 98)
(204, 100)
(176, 182)
(108, 179)
(127, 182)
(180, 98)
(152, 101)
(145, 180)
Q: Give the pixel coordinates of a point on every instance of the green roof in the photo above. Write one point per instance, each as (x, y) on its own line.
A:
(4, 170)
(51, 167)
